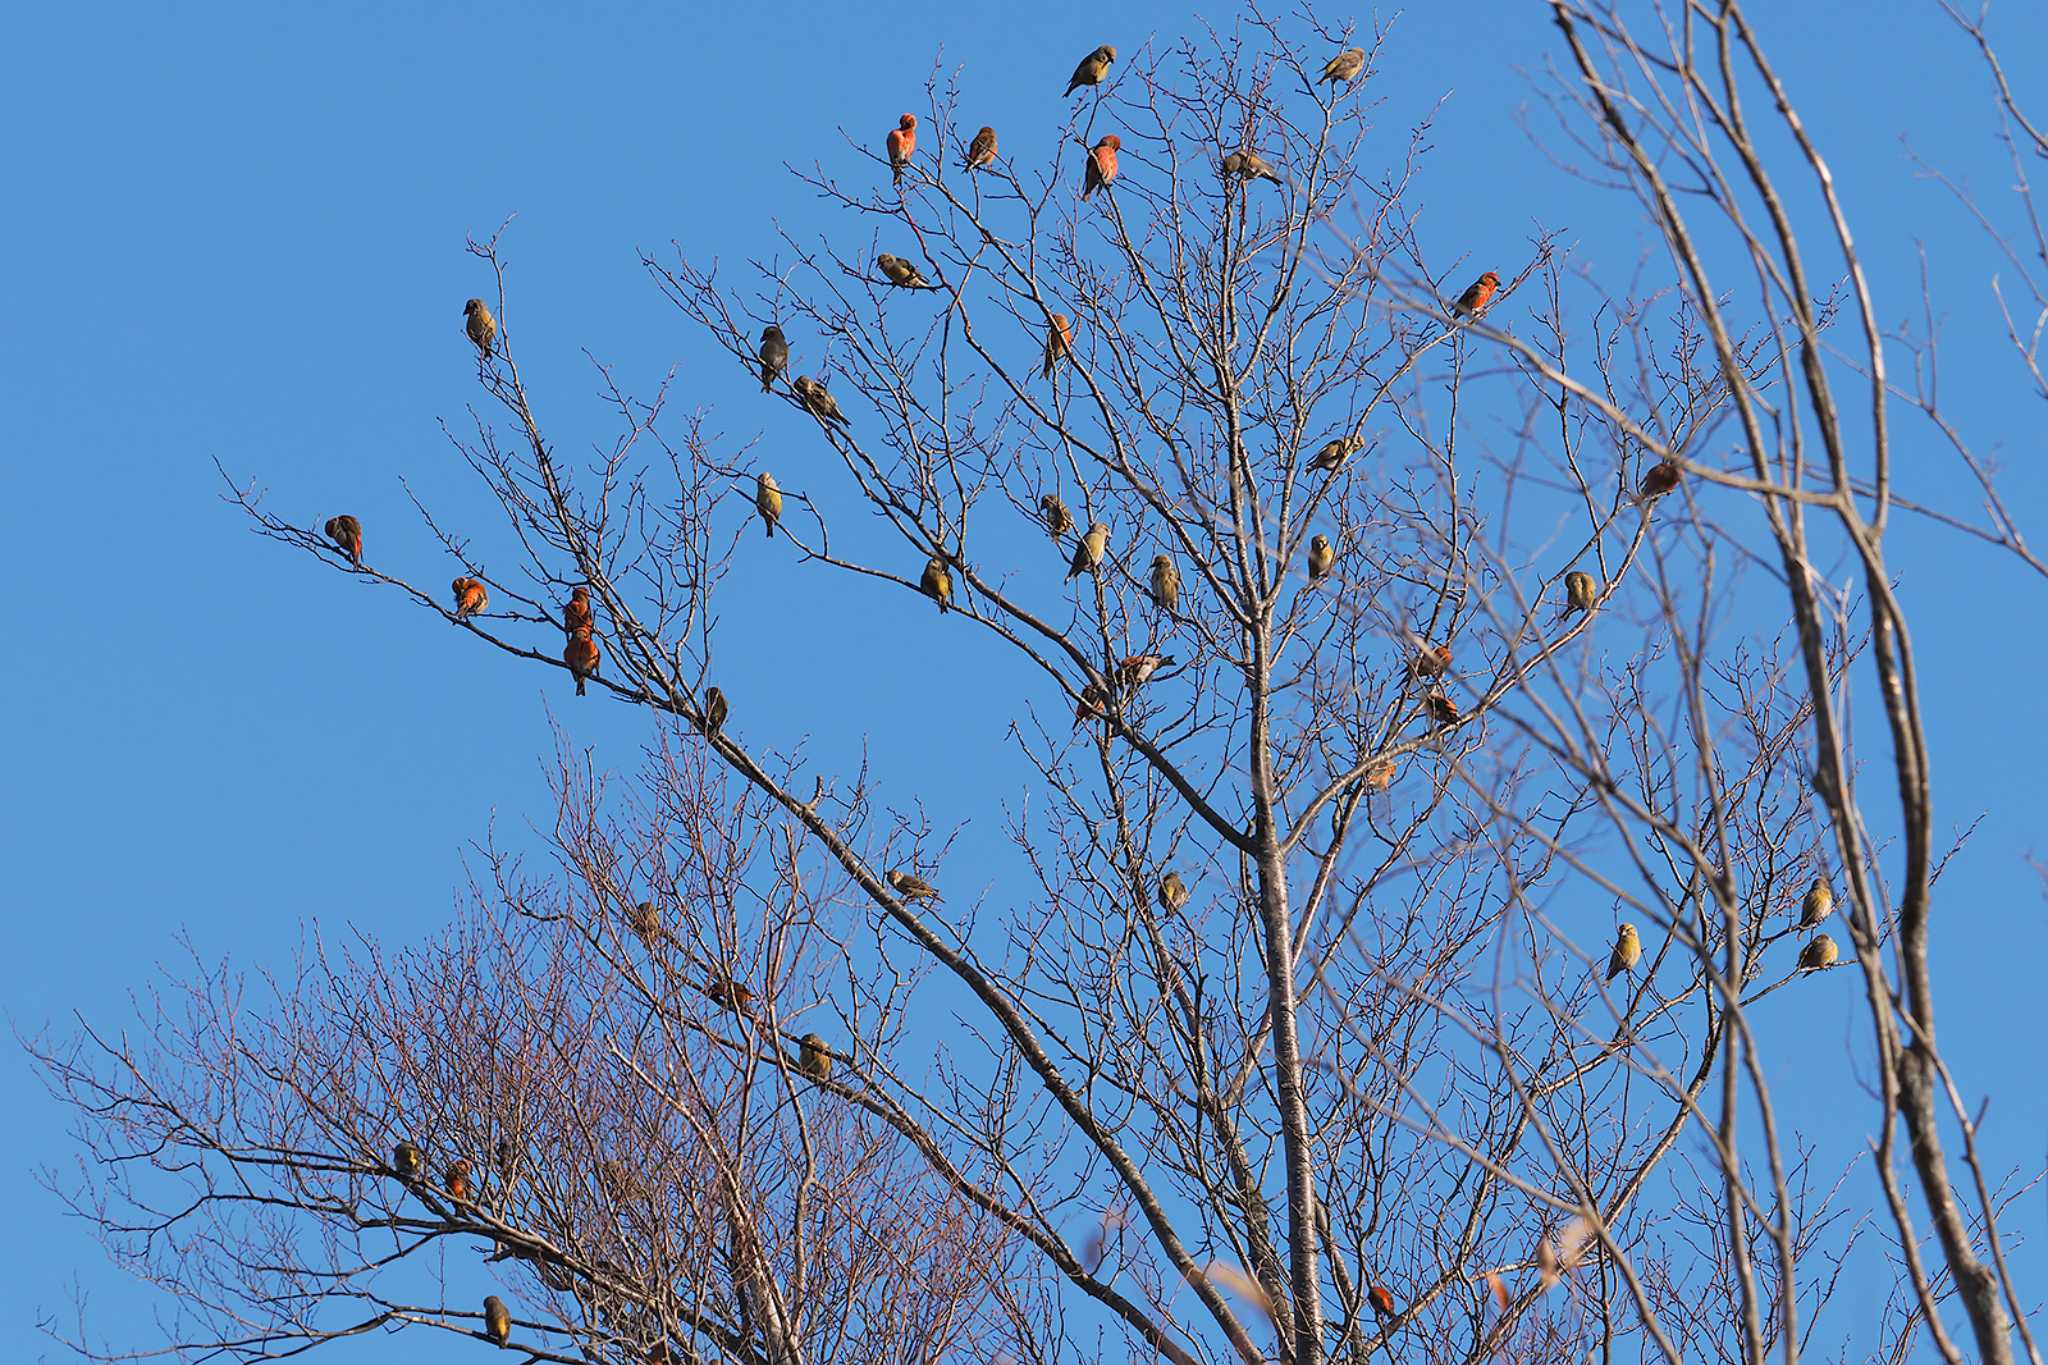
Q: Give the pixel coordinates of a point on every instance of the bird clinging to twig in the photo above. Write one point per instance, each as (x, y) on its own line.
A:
(1579, 591)
(1101, 170)
(1336, 451)
(1165, 584)
(1628, 950)
(768, 502)
(1059, 343)
(1817, 904)
(1430, 660)
(1820, 953)
(773, 355)
(347, 533)
(1473, 301)
(582, 656)
(912, 887)
(813, 1057)
(1345, 66)
(1442, 709)
(471, 597)
(901, 143)
(460, 1188)
(407, 1159)
(480, 325)
(1247, 164)
(645, 921)
(937, 583)
(1321, 555)
(901, 273)
(1089, 550)
(715, 711)
(819, 403)
(1137, 669)
(497, 1320)
(729, 993)
(1058, 520)
(1662, 478)
(576, 613)
(1092, 69)
(982, 151)
(1173, 893)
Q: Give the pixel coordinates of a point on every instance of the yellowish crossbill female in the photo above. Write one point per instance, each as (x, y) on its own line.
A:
(1821, 952)
(1817, 904)
(901, 273)
(1092, 69)
(1345, 66)
(1320, 557)
(1628, 950)
(1058, 520)
(768, 502)
(912, 887)
(480, 325)
(1579, 591)
(1335, 452)
(1173, 893)
(1165, 584)
(407, 1160)
(1248, 164)
(1089, 550)
(497, 1320)
(937, 583)
(813, 1057)
(715, 710)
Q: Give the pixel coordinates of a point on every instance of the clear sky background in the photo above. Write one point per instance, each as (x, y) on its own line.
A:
(235, 232)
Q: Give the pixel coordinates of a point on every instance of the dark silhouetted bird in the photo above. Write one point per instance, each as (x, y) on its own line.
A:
(773, 355)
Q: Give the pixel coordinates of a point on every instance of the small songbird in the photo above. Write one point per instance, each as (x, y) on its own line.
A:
(813, 1057)
(901, 273)
(937, 583)
(768, 502)
(1249, 165)
(774, 355)
(459, 1186)
(576, 611)
(497, 1320)
(1473, 301)
(1320, 557)
(729, 993)
(1058, 520)
(1817, 904)
(1442, 709)
(1165, 584)
(1431, 661)
(1381, 775)
(407, 1160)
(1818, 954)
(1088, 551)
(481, 326)
(1173, 893)
(1382, 1297)
(582, 656)
(1335, 452)
(1101, 171)
(715, 711)
(818, 402)
(471, 597)
(1137, 669)
(1059, 343)
(1092, 69)
(1628, 950)
(346, 532)
(1345, 66)
(912, 887)
(901, 142)
(982, 151)
(1662, 478)
(645, 921)
(1579, 590)
(1094, 703)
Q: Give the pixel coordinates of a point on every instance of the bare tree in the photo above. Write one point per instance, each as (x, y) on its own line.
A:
(1414, 821)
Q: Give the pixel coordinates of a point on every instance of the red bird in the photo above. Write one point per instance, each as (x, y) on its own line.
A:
(458, 1181)
(1059, 343)
(1662, 478)
(576, 612)
(347, 532)
(581, 655)
(1432, 662)
(1442, 709)
(982, 151)
(1381, 775)
(470, 597)
(1473, 301)
(901, 142)
(1382, 1300)
(1101, 165)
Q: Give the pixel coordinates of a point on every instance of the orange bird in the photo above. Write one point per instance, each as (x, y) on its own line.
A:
(1382, 1300)
(1101, 165)
(1473, 301)
(1432, 662)
(1381, 775)
(1094, 704)
(576, 612)
(1059, 342)
(982, 151)
(581, 655)
(1442, 709)
(1662, 478)
(1137, 669)
(458, 1181)
(470, 596)
(901, 142)
(347, 532)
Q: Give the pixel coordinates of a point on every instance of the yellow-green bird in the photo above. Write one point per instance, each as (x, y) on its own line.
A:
(1058, 520)
(1165, 584)
(1628, 950)
(1578, 592)
(1321, 555)
(715, 711)
(407, 1160)
(1088, 552)
(481, 326)
(1817, 904)
(1818, 954)
(912, 887)
(937, 583)
(1345, 66)
(901, 273)
(497, 1319)
(1092, 69)
(1248, 164)
(1335, 452)
(813, 1057)
(768, 502)
(1173, 892)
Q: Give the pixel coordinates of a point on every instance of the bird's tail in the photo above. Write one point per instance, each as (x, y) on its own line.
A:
(579, 685)
(768, 527)
(767, 378)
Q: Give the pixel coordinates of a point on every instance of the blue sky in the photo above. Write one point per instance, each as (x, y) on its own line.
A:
(237, 234)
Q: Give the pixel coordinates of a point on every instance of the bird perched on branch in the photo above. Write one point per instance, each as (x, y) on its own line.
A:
(901, 273)
(1381, 775)
(813, 1057)
(460, 1187)
(1442, 710)
(1345, 66)
(937, 583)
(1089, 550)
(497, 1320)
(729, 993)
(407, 1160)
(1628, 950)
(480, 325)
(773, 355)
(1094, 703)
(1579, 591)
(1248, 165)
(471, 597)
(1382, 1297)
(1431, 661)
(1137, 669)
(1059, 343)
(1101, 170)
(1662, 478)
(576, 614)
(1817, 904)
(347, 533)
(982, 151)
(1473, 301)
(768, 502)
(582, 656)
(1173, 893)
(1335, 452)
(1092, 69)
(715, 710)
(645, 922)
(901, 143)
(912, 887)
(1058, 520)
(1320, 557)
(1818, 954)
(1165, 584)
(818, 402)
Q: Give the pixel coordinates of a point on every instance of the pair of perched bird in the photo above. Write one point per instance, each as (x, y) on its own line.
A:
(1819, 953)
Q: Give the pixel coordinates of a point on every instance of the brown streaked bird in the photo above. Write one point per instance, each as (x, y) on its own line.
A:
(729, 993)
(1059, 343)
(912, 887)
(1662, 478)
(471, 597)
(901, 273)
(1165, 584)
(819, 403)
(937, 583)
(347, 533)
(1336, 451)
(1093, 705)
(1173, 893)
(814, 1057)
(576, 613)
(645, 922)
(1818, 954)
(480, 325)
(1442, 710)
(582, 656)
(1431, 660)
(982, 151)
(1320, 557)
(1092, 69)
(773, 355)
(1473, 301)
(1058, 520)
(1579, 591)
(497, 1320)
(460, 1187)
(768, 502)
(1089, 550)
(1137, 669)
(901, 143)
(1628, 950)
(715, 711)
(1345, 66)
(1817, 904)
(407, 1160)
(1101, 170)
(1248, 165)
